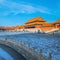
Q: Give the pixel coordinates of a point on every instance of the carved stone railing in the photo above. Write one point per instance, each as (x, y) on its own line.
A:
(26, 51)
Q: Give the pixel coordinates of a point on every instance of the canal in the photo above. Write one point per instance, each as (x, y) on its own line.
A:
(7, 53)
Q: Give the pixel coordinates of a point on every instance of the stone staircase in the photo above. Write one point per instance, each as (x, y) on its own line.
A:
(52, 30)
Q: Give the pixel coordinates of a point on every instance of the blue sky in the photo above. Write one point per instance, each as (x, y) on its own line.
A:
(17, 12)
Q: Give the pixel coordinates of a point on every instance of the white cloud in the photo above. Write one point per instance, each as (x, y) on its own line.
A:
(17, 8)
(43, 10)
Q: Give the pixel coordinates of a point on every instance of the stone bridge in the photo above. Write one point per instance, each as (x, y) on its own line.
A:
(27, 52)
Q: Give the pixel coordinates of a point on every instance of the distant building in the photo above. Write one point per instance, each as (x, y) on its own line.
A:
(35, 25)
(57, 24)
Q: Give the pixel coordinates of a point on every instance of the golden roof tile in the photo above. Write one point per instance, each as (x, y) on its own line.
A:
(38, 19)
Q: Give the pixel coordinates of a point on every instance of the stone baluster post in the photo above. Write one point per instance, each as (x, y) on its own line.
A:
(28, 45)
(41, 55)
(21, 42)
(49, 57)
(5, 38)
(24, 44)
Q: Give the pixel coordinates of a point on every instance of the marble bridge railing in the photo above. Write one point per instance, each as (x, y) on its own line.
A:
(26, 51)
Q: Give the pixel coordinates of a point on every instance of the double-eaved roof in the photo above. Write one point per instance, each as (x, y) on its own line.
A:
(36, 20)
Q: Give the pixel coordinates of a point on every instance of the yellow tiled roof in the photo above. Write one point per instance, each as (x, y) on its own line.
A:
(58, 21)
(47, 25)
(35, 20)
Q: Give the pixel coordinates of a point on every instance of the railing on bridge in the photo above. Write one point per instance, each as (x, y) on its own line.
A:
(28, 52)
